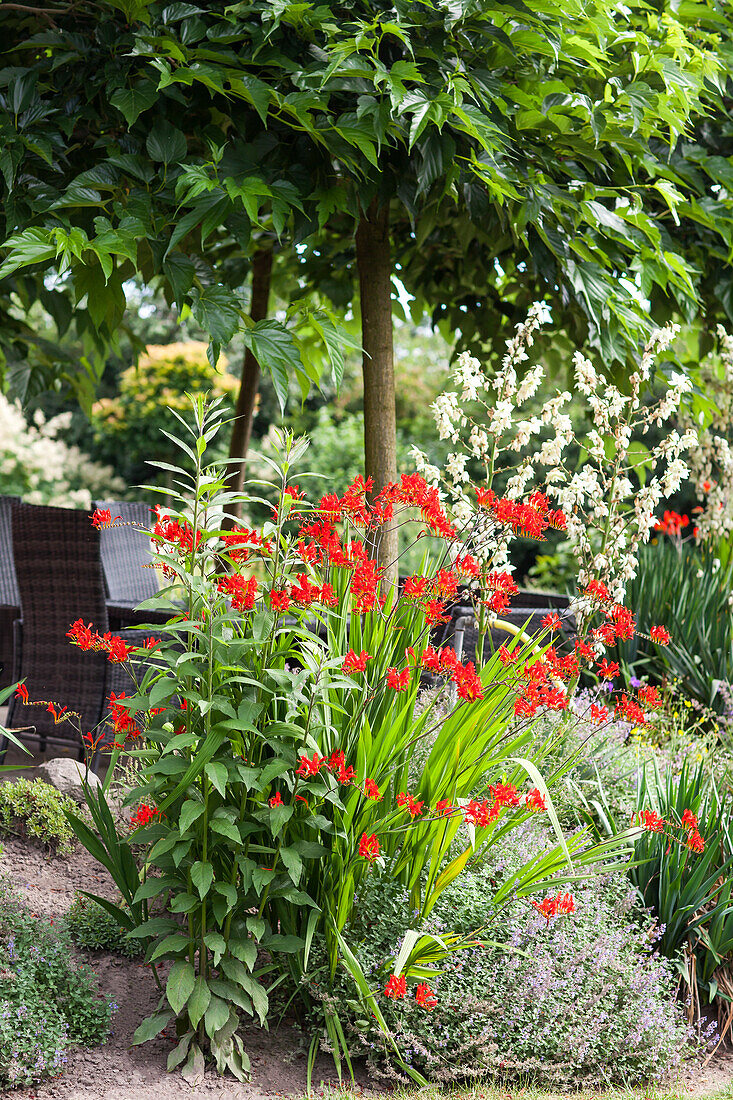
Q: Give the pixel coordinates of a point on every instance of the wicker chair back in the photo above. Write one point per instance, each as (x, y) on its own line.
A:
(59, 572)
(125, 554)
(9, 595)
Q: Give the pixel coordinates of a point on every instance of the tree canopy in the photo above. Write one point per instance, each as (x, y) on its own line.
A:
(575, 152)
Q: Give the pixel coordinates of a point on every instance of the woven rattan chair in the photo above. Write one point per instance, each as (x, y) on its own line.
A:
(59, 571)
(9, 595)
(128, 575)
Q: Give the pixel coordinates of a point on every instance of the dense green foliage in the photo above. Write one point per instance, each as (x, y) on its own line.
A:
(36, 809)
(95, 929)
(577, 1000)
(47, 1000)
(687, 589)
(566, 143)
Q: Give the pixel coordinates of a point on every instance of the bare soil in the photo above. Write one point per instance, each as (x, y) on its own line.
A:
(118, 1071)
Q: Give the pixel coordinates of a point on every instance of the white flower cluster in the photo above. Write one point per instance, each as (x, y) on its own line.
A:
(38, 466)
(711, 456)
(611, 498)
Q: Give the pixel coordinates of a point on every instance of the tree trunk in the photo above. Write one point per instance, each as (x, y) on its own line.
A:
(380, 422)
(244, 411)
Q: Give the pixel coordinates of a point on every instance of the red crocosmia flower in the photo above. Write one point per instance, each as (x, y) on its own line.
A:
(507, 656)
(583, 651)
(102, 517)
(689, 820)
(346, 775)
(22, 692)
(565, 903)
(83, 636)
(551, 621)
(299, 798)
(551, 907)
(276, 800)
(659, 634)
(435, 612)
(241, 591)
(605, 633)
(651, 821)
(144, 816)
(504, 794)
(355, 662)
(304, 592)
(117, 650)
(431, 659)
(398, 681)
(597, 588)
(672, 523)
(122, 720)
(485, 498)
(479, 813)
(312, 767)
(396, 987)
(535, 801)
(57, 712)
(630, 711)
(623, 621)
(150, 643)
(279, 599)
(598, 714)
(336, 760)
(414, 808)
(695, 842)
(369, 847)
(467, 566)
(425, 997)
(444, 807)
(608, 669)
(415, 588)
(371, 790)
(650, 695)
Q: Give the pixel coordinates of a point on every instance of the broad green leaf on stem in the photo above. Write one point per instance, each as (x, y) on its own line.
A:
(180, 984)
(202, 875)
(199, 1000)
(151, 1027)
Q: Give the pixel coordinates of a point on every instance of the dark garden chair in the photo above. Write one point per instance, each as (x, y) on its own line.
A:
(9, 595)
(59, 572)
(129, 576)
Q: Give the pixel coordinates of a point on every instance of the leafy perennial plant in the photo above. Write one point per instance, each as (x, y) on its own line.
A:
(274, 724)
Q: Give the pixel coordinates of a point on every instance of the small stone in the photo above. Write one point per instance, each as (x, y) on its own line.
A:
(66, 776)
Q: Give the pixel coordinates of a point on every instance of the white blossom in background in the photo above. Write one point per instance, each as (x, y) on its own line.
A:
(609, 512)
(37, 465)
(710, 455)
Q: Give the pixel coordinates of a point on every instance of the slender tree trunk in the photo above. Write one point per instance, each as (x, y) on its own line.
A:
(244, 411)
(380, 422)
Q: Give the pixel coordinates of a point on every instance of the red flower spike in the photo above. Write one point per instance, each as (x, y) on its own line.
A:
(425, 997)
(276, 800)
(398, 680)
(396, 987)
(551, 621)
(355, 662)
(660, 635)
(689, 820)
(309, 768)
(535, 801)
(369, 847)
(414, 808)
(22, 692)
(607, 669)
(695, 842)
(444, 807)
(279, 600)
(651, 821)
(102, 517)
(371, 790)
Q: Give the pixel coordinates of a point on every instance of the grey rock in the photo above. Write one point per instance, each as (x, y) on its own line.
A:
(66, 775)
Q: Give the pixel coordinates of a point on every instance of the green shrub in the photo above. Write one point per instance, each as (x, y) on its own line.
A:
(34, 808)
(581, 999)
(47, 1000)
(94, 929)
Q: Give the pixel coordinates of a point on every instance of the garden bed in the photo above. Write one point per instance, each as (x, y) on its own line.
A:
(117, 1071)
